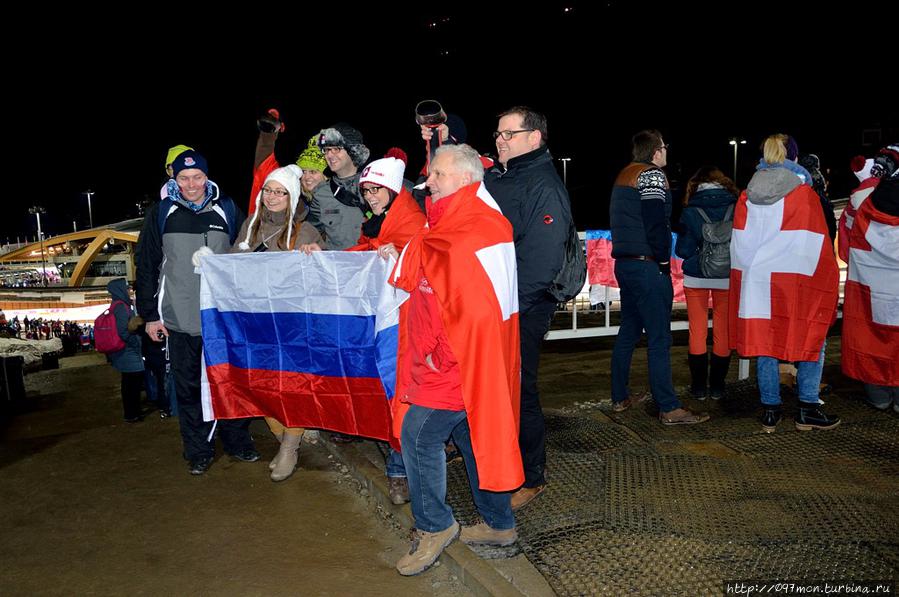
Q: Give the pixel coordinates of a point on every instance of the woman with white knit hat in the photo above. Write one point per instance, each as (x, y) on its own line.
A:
(393, 216)
(278, 224)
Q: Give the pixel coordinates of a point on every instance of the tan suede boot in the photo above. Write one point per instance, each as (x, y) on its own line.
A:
(286, 460)
(425, 549)
(274, 462)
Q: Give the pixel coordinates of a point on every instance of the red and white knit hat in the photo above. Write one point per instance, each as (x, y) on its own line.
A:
(861, 167)
(386, 172)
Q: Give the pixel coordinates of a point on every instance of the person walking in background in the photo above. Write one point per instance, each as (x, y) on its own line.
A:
(709, 206)
(128, 360)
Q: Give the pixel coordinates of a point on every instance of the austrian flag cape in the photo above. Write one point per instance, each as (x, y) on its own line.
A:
(469, 260)
(870, 349)
(310, 340)
(783, 279)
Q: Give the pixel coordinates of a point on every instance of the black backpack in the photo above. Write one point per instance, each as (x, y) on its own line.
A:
(569, 282)
(714, 256)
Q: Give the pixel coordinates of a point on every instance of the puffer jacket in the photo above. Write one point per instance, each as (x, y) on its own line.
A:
(714, 202)
(167, 285)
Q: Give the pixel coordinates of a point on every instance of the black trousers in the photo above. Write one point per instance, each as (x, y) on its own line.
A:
(186, 352)
(132, 384)
(533, 325)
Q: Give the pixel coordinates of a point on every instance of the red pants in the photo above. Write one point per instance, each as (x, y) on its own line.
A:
(698, 316)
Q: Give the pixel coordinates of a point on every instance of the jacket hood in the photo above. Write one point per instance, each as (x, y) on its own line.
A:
(118, 290)
(714, 197)
(770, 185)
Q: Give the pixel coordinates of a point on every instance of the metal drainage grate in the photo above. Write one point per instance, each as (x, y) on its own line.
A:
(620, 516)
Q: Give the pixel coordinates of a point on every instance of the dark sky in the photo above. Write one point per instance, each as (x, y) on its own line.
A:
(113, 93)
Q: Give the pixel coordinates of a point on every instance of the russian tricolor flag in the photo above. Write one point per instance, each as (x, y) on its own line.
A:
(601, 265)
(310, 340)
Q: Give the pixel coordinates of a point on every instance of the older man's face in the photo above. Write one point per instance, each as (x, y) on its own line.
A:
(192, 183)
(444, 177)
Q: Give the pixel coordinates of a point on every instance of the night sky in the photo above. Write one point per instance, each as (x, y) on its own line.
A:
(114, 93)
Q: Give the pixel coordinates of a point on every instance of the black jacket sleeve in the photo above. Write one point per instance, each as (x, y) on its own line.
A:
(149, 262)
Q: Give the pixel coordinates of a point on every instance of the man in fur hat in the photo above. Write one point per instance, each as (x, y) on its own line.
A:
(337, 207)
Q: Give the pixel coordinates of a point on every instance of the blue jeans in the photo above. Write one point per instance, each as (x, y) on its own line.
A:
(395, 466)
(646, 295)
(808, 379)
(425, 431)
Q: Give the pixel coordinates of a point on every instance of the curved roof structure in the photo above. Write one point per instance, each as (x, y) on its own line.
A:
(124, 232)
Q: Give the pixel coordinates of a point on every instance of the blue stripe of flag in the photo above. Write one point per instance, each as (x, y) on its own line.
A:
(344, 345)
(598, 235)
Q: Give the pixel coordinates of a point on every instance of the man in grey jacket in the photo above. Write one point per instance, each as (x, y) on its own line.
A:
(194, 219)
(337, 206)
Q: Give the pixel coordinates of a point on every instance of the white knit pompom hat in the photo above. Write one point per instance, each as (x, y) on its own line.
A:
(386, 172)
(289, 178)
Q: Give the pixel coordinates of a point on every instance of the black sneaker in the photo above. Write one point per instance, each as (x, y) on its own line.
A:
(811, 416)
(770, 418)
(248, 455)
(164, 413)
(200, 466)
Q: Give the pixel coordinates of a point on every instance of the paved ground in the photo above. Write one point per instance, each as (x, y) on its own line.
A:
(94, 506)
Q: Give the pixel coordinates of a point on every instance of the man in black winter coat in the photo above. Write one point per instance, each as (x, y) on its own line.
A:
(533, 198)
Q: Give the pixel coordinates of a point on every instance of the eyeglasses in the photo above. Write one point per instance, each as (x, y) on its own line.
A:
(370, 190)
(276, 192)
(665, 147)
(509, 134)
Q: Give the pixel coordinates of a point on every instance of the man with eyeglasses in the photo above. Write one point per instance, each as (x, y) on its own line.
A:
(640, 215)
(337, 206)
(533, 198)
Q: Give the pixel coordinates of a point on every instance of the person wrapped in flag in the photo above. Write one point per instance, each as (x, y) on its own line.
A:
(460, 374)
(783, 284)
(871, 300)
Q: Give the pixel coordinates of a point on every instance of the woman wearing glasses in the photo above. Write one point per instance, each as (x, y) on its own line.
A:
(278, 224)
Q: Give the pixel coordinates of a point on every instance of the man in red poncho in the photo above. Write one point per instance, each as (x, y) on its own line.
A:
(461, 371)
(871, 305)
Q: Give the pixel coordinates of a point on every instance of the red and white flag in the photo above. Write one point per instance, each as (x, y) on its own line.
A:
(468, 257)
(870, 350)
(784, 279)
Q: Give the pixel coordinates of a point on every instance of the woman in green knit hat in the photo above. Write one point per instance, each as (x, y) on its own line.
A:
(313, 163)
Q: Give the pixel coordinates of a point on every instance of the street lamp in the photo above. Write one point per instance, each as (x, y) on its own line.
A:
(37, 211)
(565, 170)
(736, 142)
(90, 214)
